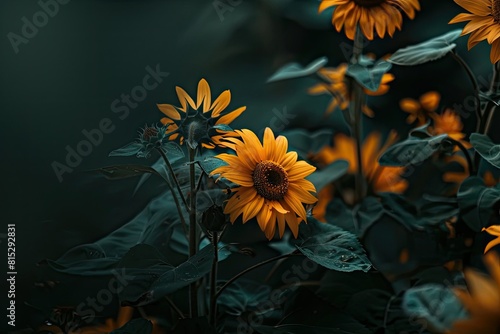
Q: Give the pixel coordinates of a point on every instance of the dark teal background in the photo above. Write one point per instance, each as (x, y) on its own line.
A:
(64, 81)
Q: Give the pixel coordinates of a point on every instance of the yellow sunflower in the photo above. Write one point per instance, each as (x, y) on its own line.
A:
(484, 24)
(422, 109)
(339, 90)
(380, 178)
(208, 112)
(271, 182)
(449, 123)
(381, 15)
(483, 303)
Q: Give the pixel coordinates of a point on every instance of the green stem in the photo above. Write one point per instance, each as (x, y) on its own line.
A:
(213, 281)
(472, 169)
(193, 244)
(176, 201)
(174, 177)
(355, 111)
(260, 264)
(474, 83)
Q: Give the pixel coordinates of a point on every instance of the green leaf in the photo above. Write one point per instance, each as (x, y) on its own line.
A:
(332, 247)
(434, 303)
(486, 148)
(366, 214)
(120, 172)
(369, 77)
(127, 150)
(210, 164)
(330, 173)
(243, 296)
(147, 288)
(135, 326)
(223, 127)
(306, 142)
(427, 51)
(412, 151)
(295, 70)
(477, 202)
(173, 151)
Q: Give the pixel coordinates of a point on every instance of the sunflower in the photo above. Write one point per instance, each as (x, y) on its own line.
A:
(449, 123)
(339, 90)
(381, 15)
(483, 303)
(208, 114)
(484, 17)
(422, 109)
(380, 178)
(271, 182)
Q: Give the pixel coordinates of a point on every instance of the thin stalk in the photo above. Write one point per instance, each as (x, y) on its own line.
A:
(355, 112)
(472, 169)
(174, 307)
(475, 86)
(260, 264)
(174, 177)
(213, 281)
(176, 201)
(193, 244)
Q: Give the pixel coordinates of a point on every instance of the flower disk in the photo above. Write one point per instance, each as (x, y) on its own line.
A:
(271, 182)
(379, 15)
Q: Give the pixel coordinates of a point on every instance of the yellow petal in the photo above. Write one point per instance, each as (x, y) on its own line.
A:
(204, 95)
(184, 98)
(228, 118)
(170, 111)
(221, 103)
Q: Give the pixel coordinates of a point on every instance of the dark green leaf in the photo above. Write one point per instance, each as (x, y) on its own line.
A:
(119, 172)
(127, 150)
(295, 70)
(367, 213)
(486, 148)
(329, 174)
(411, 151)
(210, 164)
(427, 51)
(369, 77)
(434, 303)
(173, 151)
(147, 288)
(135, 326)
(243, 296)
(332, 247)
(306, 142)
(476, 202)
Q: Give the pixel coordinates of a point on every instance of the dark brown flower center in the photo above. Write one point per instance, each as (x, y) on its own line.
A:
(369, 3)
(495, 10)
(149, 132)
(270, 180)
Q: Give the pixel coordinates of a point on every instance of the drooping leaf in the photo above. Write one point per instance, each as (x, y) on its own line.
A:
(437, 304)
(146, 288)
(366, 213)
(330, 173)
(369, 76)
(173, 151)
(119, 172)
(486, 148)
(295, 70)
(412, 151)
(135, 326)
(332, 247)
(127, 150)
(477, 202)
(430, 50)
